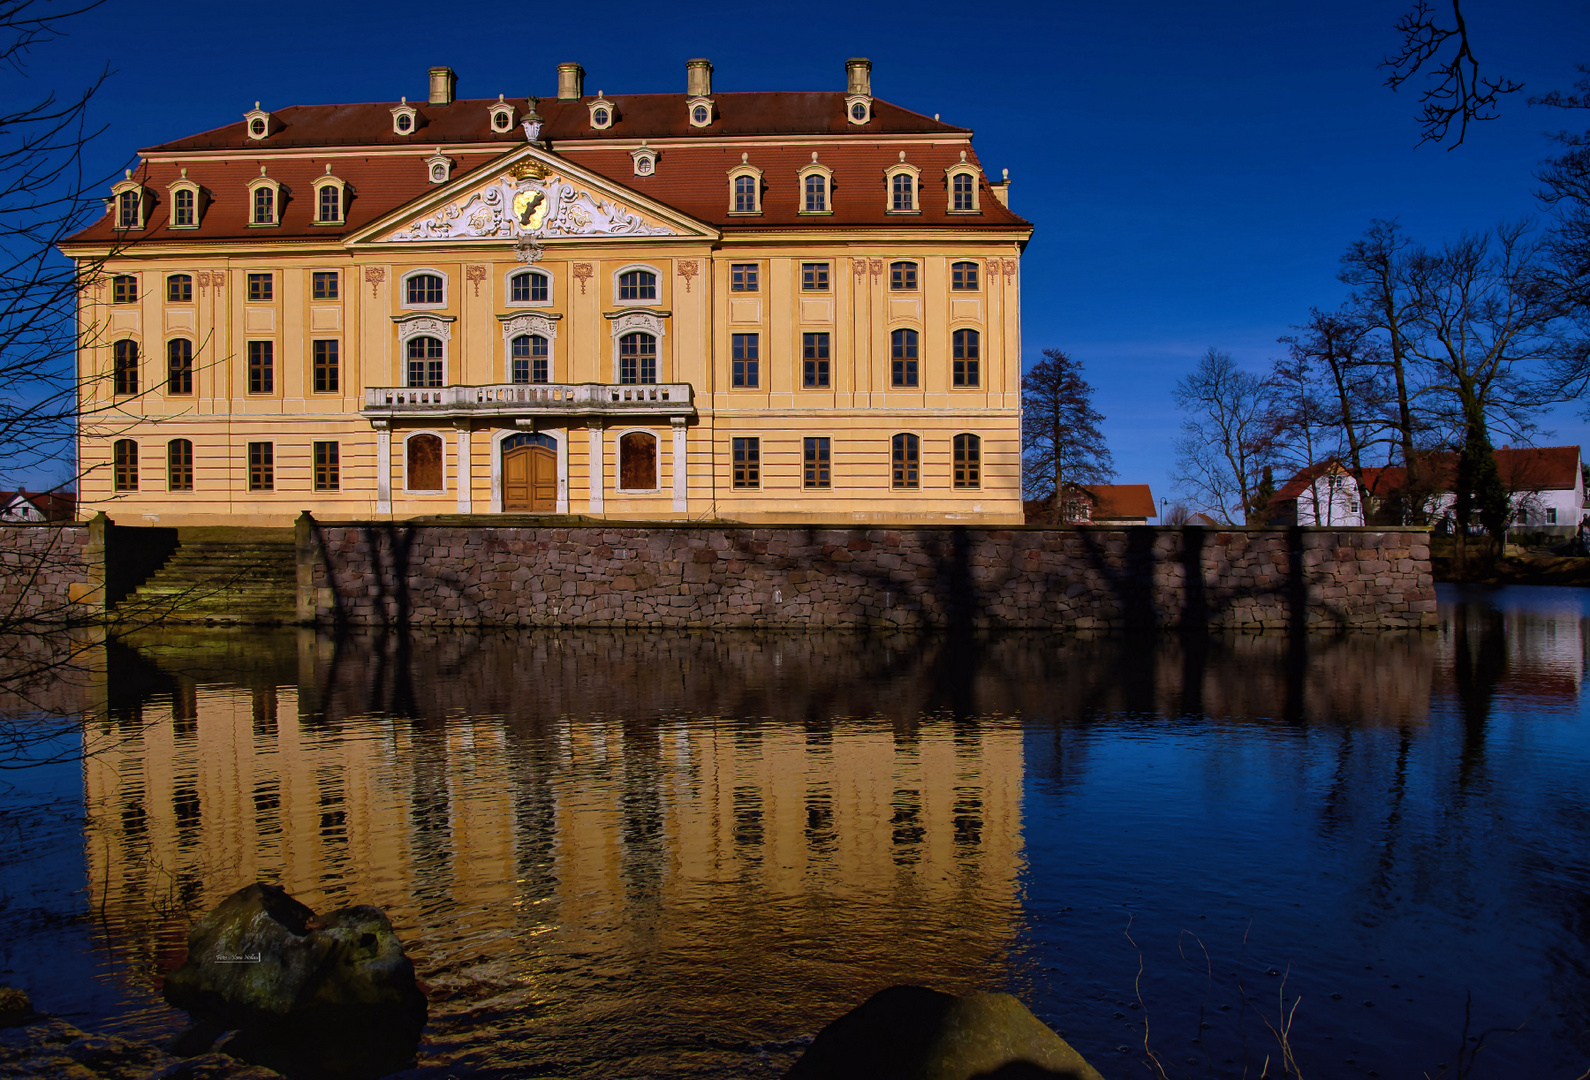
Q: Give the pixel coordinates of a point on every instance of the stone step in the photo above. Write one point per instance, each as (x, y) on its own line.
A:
(222, 575)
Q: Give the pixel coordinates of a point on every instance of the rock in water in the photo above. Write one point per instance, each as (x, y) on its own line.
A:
(912, 1033)
(298, 985)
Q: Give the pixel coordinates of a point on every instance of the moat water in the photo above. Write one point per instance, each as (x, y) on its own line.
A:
(679, 855)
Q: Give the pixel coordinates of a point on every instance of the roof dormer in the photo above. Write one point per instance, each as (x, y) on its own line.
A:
(901, 183)
(501, 116)
(405, 118)
(814, 188)
(331, 199)
(963, 181)
(258, 123)
(858, 86)
(129, 200)
(602, 112)
(645, 159)
(264, 201)
(185, 206)
(439, 167)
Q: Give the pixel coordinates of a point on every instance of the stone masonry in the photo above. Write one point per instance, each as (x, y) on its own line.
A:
(730, 576)
(46, 574)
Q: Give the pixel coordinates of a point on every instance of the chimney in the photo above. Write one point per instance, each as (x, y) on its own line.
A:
(698, 78)
(858, 76)
(571, 82)
(443, 83)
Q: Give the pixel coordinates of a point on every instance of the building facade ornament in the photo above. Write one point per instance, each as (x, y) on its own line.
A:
(514, 207)
(426, 325)
(646, 322)
(374, 275)
(529, 324)
(688, 268)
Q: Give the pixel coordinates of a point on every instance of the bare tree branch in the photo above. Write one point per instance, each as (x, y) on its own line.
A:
(1456, 91)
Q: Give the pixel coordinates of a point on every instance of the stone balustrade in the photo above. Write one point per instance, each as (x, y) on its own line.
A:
(563, 399)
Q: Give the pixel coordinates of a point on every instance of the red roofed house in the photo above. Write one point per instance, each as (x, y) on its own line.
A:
(1546, 484)
(38, 506)
(753, 306)
(1119, 504)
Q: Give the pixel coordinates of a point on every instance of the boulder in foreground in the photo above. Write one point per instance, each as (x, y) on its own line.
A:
(912, 1033)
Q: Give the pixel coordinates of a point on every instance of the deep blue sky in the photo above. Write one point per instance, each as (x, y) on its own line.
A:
(1193, 170)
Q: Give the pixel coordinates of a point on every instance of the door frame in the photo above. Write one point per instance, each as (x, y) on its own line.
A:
(558, 436)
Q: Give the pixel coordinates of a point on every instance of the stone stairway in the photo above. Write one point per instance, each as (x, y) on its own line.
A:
(221, 575)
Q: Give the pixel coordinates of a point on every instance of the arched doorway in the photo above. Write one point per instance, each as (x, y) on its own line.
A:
(529, 474)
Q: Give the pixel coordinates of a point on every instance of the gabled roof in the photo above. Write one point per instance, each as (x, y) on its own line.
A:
(638, 116)
(1121, 501)
(50, 505)
(1523, 468)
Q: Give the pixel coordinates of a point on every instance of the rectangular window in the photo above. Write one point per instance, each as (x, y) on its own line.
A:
(903, 369)
(1551, 515)
(264, 206)
(814, 277)
(324, 284)
(963, 276)
(179, 289)
(816, 194)
(328, 466)
(125, 370)
(963, 192)
(903, 192)
(261, 287)
(968, 461)
(902, 276)
(261, 466)
(816, 463)
(742, 277)
(182, 206)
(330, 203)
(964, 361)
(123, 289)
(125, 465)
(746, 360)
(179, 366)
(179, 465)
(262, 367)
(747, 462)
(326, 367)
(815, 363)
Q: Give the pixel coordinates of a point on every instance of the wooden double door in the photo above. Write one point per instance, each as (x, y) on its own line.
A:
(529, 475)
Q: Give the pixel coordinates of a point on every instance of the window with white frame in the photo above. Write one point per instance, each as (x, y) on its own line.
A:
(635, 285)
(815, 185)
(329, 200)
(745, 188)
(901, 182)
(426, 361)
(424, 288)
(637, 359)
(962, 181)
(529, 359)
(529, 287)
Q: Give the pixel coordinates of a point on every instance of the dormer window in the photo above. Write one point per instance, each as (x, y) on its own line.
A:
(745, 188)
(330, 208)
(501, 115)
(439, 167)
(184, 203)
(127, 201)
(405, 118)
(257, 123)
(815, 184)
(858, 110)
(264, 200)
(961, 178)
(645, 159)
(901, 182)
(602, 112)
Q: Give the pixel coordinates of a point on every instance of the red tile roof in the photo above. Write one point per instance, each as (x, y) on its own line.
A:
(638, 116)
(53, 505)
(1113, 501)
(1524, 468)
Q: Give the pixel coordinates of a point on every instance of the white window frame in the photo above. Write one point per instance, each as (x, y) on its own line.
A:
(633, 322)
(655, 301)
(601, 102)
(403, 108)
(815, 169)
(323, 182)
(403, 287)
(962, 168)
(191, 186)
(500, 107)
(438, 167)
(618, 461)
(263, 181)
(409, 437)
(424, 325)
(257, 113)
(527, 324)
(122, 187)
(745, 168)
(902, 167)
(515, 271)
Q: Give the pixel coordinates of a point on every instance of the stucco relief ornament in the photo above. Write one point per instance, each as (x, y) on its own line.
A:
(529, 203)
(528, 251)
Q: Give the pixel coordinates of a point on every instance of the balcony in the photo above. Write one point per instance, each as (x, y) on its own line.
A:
(534, 399)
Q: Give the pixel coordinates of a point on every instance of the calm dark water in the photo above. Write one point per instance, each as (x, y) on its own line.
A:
(668, 855)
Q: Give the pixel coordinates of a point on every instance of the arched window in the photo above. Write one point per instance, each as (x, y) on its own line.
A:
(637, 358)
(906, 457)
(179, 465)
(528, 287)
(123, 289)
(184, 203)
(903, 192)
(816, 193)
(745, 194)
(963, 185)
(968, 461)
(330, 203)
(637, 285)
(637, 462)
(903, 358)
(963, 276)
(125, 371)
(424, 461)
(425, 361)
(529, 355)
(423, 289)
(179, 289)
(537, 438)
(125, 465)
(128, 207)
(179, 366)
(964, 358)
(264, 205)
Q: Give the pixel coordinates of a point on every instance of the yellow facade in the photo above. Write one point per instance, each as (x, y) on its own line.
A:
(694, 318)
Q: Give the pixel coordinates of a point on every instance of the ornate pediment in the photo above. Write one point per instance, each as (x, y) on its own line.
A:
(532, 201)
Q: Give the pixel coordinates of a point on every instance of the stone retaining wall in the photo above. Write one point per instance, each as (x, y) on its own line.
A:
(683, 576)
(47, 574)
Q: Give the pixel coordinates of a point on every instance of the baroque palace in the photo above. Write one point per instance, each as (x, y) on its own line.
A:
(791, 307)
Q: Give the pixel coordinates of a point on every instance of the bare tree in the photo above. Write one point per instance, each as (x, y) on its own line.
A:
(1061, 444)
(1227, 437)
(1456, 91)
